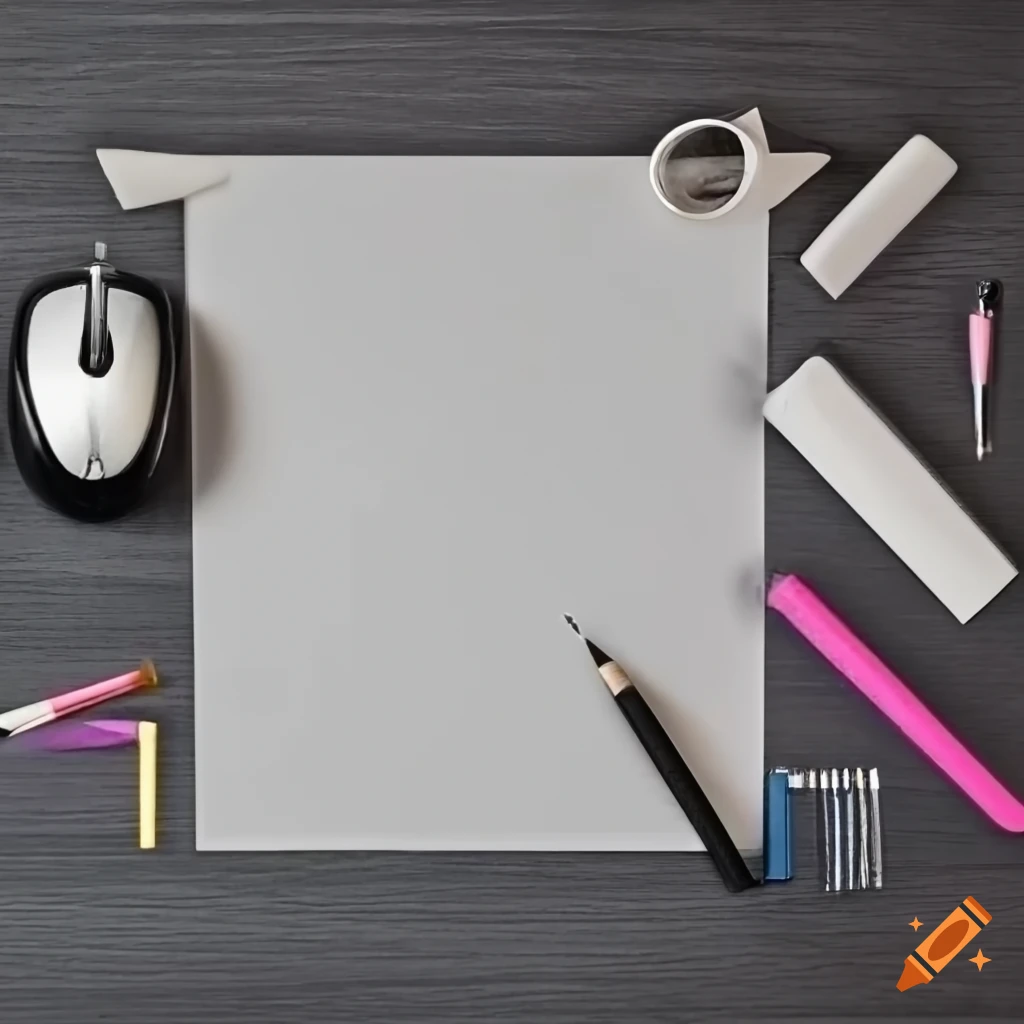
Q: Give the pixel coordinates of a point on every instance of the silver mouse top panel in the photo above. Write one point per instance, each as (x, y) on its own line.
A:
(95, 425)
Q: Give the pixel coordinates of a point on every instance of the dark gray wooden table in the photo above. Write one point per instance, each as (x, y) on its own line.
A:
(90, 929)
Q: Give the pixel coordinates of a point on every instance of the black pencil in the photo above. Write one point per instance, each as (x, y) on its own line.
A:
(673, 769)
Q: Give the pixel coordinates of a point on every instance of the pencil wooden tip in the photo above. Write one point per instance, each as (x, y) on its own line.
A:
(600, 658)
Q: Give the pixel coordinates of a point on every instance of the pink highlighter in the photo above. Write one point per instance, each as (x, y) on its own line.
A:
(795, 601)
(981, 329)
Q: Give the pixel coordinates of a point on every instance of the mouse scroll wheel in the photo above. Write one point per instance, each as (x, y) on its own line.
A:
(97, 350)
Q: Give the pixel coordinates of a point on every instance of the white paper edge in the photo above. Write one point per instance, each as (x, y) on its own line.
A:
(140, 178)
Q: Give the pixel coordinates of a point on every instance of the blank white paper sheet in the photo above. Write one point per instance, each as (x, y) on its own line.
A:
(437, 403)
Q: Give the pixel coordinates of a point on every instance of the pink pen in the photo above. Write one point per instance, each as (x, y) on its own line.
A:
(792, 598)
(33, 715)
(981, 329)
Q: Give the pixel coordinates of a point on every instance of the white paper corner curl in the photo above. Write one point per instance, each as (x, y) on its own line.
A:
(141, 179)
(781, 174)
(784, 173)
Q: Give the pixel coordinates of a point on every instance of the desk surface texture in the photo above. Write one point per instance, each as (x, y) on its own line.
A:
(94, 930)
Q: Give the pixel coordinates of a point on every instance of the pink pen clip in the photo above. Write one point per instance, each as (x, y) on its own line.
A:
(981, 330)
(33, 715)
(795, 601)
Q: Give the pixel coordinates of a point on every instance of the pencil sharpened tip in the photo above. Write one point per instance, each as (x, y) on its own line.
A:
(600, 658)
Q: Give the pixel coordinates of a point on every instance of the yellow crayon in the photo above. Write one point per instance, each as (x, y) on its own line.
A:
(147, 785)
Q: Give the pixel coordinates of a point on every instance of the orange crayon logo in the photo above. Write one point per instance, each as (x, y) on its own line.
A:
(943, 944)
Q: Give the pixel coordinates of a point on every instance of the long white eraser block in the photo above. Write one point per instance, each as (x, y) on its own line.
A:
(870, 466)
(877, 214)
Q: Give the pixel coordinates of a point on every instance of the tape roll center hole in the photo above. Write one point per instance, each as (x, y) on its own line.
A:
(703, 170)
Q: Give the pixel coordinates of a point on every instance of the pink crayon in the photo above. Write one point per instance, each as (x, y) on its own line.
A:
(33, 715)
(95, 735)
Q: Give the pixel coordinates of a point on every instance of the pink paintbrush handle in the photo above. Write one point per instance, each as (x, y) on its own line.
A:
(34, 715)
(86, 696)
(825, 631)
(981, 347)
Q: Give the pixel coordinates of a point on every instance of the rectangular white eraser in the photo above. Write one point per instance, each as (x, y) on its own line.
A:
(888, 485)
(877, 214)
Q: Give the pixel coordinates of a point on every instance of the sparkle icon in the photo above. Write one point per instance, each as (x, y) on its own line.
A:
(980, 959)
(915, 924)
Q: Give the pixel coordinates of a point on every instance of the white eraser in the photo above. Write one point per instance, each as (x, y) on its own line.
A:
(877, 214)
(821, 414)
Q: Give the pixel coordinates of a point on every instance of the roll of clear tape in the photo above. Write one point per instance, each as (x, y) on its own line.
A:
(697, 174)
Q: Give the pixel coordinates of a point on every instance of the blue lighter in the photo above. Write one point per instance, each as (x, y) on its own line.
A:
(778, 827)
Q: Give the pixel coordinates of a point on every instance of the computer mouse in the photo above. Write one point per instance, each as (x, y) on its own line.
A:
(93, 364)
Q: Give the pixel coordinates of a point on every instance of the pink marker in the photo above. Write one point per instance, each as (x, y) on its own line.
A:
(33, 715)
(981, 326)
(792, 598)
